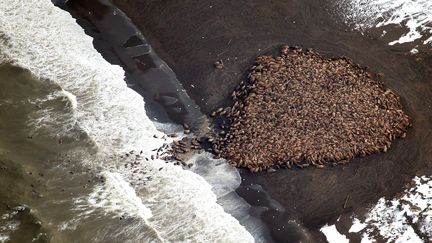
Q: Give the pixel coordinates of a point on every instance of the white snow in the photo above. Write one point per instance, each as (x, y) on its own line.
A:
(415, 16)
(333, 235)
(398, 219)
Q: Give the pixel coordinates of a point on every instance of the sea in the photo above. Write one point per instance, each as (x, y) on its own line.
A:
(79, 138)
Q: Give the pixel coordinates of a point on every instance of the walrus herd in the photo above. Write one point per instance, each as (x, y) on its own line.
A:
(301, 109)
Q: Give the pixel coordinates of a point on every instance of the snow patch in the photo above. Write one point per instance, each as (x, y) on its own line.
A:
(333, 235)
(407, 218)
(413, 15)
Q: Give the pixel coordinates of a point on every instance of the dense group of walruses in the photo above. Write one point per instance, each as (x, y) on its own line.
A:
(301, 109)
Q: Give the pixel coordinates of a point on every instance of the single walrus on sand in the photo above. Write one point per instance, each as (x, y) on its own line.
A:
(303, 109)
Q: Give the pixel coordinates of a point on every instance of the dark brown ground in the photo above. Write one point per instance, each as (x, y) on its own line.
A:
(192, 35)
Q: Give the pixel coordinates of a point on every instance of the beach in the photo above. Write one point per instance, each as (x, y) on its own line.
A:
(190, 39)
(179, 84)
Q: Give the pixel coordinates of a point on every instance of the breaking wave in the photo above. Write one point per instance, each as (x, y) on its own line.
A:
(178, 205)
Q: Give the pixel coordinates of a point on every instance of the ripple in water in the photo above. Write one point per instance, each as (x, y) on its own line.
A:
(178, 205)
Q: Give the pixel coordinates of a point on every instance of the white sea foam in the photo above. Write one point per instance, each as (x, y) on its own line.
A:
(116, 194)
(7, 229)
(71, 98)
(413, 15)
(4, 238)
(220, 174)
(177, 204)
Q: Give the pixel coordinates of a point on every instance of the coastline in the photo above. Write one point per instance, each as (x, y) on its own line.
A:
(150, 77)
(312, 197)
(95, 126)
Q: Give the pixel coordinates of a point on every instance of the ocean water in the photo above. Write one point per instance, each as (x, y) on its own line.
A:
(73, 119)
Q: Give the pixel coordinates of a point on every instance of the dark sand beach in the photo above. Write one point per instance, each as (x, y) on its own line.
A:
(191, 35)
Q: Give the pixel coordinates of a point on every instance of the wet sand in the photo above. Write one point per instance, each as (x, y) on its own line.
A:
(191, 35)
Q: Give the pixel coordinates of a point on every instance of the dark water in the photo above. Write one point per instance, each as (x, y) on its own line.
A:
(43, 183)
(40, 179)
(28, 177)
(191, 35)
(21, 183)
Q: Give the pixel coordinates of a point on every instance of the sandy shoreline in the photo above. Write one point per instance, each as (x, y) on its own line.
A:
(191, 38)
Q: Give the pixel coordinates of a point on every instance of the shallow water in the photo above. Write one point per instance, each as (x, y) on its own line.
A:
(36, 174)
(85, 138)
